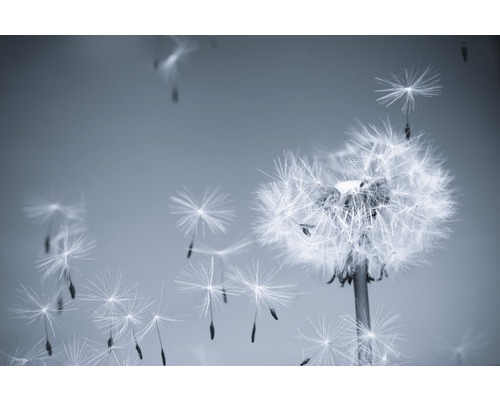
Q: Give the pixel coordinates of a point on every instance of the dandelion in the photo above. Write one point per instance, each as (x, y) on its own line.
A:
(210, 213)
(32, 356)
(379, 338)
(325, 346)
(202, 279)
(370, 211)
(43, 210)
(110, 292)
(471, 341)
(76, 352)
(159, 318)
(38, 308)
(224, 255)
(408, 87)
(70, 246)
(169, 66)
(263, 289)
(130, 319)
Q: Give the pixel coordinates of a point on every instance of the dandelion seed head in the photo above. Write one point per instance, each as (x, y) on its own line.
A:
(168, 68)
(384, 198)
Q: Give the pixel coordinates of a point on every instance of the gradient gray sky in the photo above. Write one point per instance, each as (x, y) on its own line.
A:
(89, 114)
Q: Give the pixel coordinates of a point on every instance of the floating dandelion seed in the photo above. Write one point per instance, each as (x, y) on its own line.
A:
(76, 352)
(375, 208)
(38, 308)
(380, 339)
(325, 346)
(111, 294)
(33, 356)
(408, 87)
(224, 255)
(159, 318)
(44, 210)
(471, 341)
(209, 213)
(70, 247)
(169, 66)
(263, 289)
(131, 318)
(202, 278)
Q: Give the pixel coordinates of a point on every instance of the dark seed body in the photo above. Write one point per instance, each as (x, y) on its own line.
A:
(306, 361)
(47, 244)
(110, 342)
(48, 346)
(72, 290)
(190, 250)
(254, 329)
(139, 351)
(163, 358)
(60, 305)
(273, 313)
(175, 95)
(212, 331)
(224, 295)
(331, 280)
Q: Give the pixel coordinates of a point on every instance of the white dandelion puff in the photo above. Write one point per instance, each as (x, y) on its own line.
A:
(110, 293)
(168, 68)
(159, 319)
(203, 279)
(380, 337)
(408, 87)
(33, 356)
(371, 211)
(38, 308)
(69, 247)
(263, 289)
(211, 213)
(44, 209)
(324, 343)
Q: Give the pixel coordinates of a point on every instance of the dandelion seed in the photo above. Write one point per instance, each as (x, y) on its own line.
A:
(376, 207)
(471, 341)
(325, 346)
(408, 87)
(168, 68)
(159, 319)
(263, 289)
(60, 304)
(210, 213)
(38, 308)
(43, 210)
(112, 294)
(33, 356)
(62, 261)
(202, 279)
(76, 352)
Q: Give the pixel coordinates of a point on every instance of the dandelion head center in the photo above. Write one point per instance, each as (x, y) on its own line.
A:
(354, 198)
(44, 310)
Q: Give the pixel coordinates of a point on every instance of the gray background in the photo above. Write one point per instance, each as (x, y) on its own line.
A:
(90, 114)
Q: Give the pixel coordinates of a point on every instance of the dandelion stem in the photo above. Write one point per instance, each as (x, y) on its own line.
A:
(190, 250)
(362, 313)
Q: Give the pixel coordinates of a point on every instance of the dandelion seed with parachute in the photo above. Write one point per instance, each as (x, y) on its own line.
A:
(61, 262)
(224, 255)
(408, 87)
(325, 344)
(471, 341)
(131, 318)
(159, 319)
(46, 210)
(111, 294)
(211, 213)
(372, 210)
(168, 68)
(38, 308)
(203, 280)
(33, 356)
(262, 287)
(381, 338)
